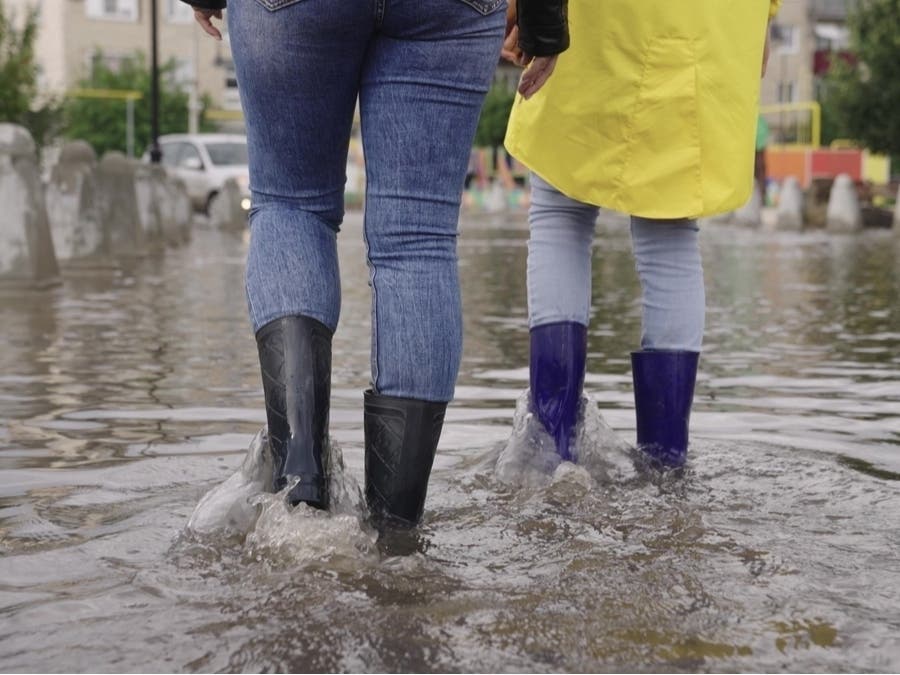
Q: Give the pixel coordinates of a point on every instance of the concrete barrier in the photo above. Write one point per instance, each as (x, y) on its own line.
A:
(182, 209)
(226, 212)
(897, 214)
(789, 215)
(73, 205)
(495, 198)
(750, 214)
(27, 256)
(718, 219)
(122, 222)
(149, 191)
(844, 213)
(163, 205)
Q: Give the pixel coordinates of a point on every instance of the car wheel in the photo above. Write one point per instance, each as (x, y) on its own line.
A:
(209, 201)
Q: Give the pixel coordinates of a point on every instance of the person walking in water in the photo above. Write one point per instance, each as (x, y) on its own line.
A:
(420, 70)
(652, 111)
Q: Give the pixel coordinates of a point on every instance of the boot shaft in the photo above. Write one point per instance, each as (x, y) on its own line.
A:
(556, 368)
(401, 438)
(295, 361)
(663, 395)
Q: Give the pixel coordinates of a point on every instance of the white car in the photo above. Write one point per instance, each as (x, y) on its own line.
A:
(204, 162)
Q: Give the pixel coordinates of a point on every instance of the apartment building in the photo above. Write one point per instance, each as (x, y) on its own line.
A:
(806, 37)
(72, 32)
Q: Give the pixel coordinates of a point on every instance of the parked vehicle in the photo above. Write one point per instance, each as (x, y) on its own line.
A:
(205, 162)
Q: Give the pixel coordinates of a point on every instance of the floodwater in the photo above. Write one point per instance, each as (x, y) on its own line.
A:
(131, 406)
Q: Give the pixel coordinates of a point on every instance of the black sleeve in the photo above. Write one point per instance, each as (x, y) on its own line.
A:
(206, 4)
(543, 26)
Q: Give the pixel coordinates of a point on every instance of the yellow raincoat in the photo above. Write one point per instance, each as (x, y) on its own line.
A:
(652, 111)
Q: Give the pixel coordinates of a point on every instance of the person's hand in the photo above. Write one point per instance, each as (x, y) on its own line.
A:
(204, 18)
(766, 48)
(510, 50)
(540, 68)
(539, 71)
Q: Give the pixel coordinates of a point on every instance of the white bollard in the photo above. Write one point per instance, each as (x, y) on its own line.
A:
(897, 214)
(226, 212)
(844, 213)
(495, 200)
(789, 215)
(164, 206)
(27, 257)
(147, 191)
(182, 209)
(725, 218)
(72, 205)
(750, 214)
(119, 205)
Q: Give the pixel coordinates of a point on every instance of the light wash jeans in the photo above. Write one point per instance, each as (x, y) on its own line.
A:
(667, 257)
(420, 69)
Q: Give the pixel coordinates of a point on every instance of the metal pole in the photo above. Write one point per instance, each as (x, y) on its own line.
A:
(155, 152)
(194, 102)
(129, 126)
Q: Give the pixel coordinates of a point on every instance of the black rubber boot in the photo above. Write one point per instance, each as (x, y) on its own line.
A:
(401, 438)
(295, 360)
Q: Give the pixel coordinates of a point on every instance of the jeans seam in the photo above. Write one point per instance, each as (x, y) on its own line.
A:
(372, 272)
(482, 6)
(250, 303)
(275, 5)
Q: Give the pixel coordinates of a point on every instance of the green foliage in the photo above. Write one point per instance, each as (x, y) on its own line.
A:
(18, 73)
(19, 103)
(862, 102)
(102, 122)
(494, 117)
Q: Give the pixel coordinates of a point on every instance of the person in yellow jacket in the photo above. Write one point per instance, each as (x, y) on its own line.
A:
(647, 107)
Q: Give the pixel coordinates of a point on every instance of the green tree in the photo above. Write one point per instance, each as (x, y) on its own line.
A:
(862, 101)
(21, 101)
(103, 123)
(494, 117)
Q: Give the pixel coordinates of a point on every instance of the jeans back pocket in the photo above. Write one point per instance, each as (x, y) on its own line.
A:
(273, 5)
(485, 6)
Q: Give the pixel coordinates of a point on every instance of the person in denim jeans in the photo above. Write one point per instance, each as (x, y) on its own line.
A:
(420, 70)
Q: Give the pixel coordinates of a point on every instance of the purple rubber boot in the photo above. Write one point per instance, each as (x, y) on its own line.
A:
(663, 393)
(558, 356)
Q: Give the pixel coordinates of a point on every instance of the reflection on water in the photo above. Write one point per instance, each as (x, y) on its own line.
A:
(131, 407)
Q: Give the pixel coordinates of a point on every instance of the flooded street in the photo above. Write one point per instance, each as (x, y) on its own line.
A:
(127, 395)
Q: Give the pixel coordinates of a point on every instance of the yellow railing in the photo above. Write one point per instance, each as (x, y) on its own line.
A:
(815, 119)
(224, 115)
(127, 95)
(114, 94)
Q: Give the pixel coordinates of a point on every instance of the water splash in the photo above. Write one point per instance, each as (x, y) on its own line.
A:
(242, 508)
(229, 508)
(529, 458)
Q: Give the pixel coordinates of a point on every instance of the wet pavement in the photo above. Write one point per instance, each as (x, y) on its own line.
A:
(130, 405)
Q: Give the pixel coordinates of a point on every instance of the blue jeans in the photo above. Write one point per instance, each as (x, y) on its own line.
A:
(667, 257)
(420, 70)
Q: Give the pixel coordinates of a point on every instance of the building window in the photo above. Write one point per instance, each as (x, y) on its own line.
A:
(183, 75)
(179, 12)
(98, 61)
(113, 10)
(785, 39)
(231, 97)
(786, 92)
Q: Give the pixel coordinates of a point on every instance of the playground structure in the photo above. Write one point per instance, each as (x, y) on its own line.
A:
(798, 152)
